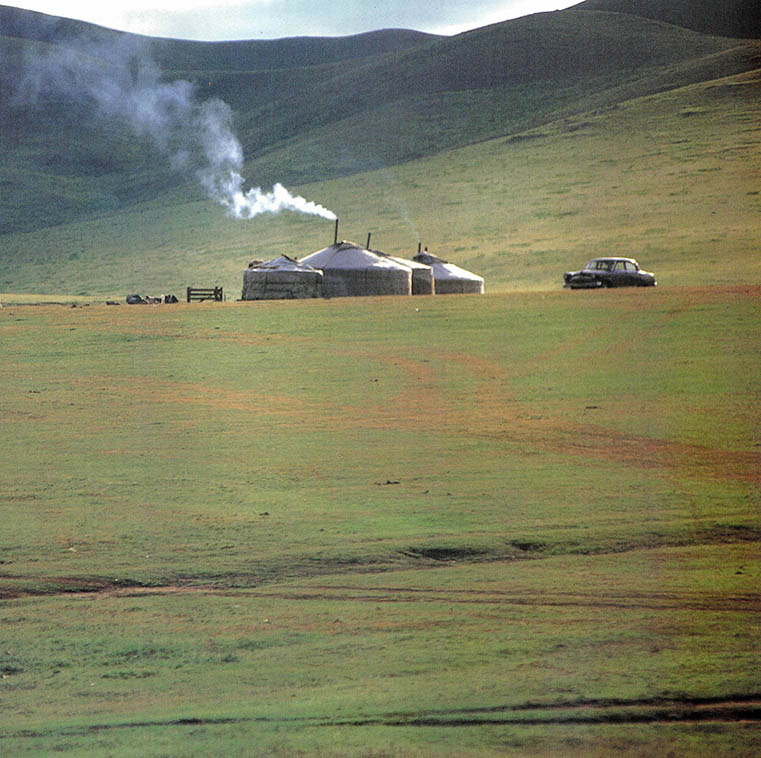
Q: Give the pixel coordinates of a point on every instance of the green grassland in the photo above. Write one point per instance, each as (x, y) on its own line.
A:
(501, 525)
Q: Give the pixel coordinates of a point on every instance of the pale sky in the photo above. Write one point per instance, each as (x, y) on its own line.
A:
(272, 19)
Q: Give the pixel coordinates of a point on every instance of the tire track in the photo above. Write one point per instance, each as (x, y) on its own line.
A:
(630, 600)
(746, 713)
(730, 709)
(750, 602)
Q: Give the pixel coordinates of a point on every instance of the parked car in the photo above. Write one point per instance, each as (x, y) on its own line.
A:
(609, 272)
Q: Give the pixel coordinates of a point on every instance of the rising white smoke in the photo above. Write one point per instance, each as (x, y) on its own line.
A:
(121, 82)
(249, 204)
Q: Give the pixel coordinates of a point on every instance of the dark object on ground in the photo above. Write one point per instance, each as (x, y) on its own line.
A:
(609, 272)
(148, 299)
(112, 302)
(205, 293)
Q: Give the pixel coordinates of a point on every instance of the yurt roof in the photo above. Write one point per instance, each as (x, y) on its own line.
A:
(283, 263)
(417, 265)
(450, 271)
(428, 259)
(444, 270)
(349, 255)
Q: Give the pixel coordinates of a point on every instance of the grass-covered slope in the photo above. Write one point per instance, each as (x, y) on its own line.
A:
(481, 84)
(237, 55)
(671, 179)
(728, 18)
(74, 182)
(62, 160)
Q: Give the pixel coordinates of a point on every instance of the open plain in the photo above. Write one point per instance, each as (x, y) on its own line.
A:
(499, 525)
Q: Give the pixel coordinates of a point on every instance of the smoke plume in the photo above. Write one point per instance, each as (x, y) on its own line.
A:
(120, 81)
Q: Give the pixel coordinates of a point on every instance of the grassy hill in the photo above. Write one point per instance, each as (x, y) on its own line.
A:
(75, 182)
(670, 178)
(481, 84)
(729, 18)
(236, 55)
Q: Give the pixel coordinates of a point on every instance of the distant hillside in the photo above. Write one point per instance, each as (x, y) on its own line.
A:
(478, 85)
(301, 109)
(241, 55)
(725, 18)
(294, 52)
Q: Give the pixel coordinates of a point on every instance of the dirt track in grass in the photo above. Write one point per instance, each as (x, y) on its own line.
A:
(732, 709)
(81, 587)
(635, 713)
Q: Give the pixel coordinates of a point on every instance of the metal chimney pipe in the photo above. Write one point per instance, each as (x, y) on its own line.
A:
(367, 246)
(335, 237)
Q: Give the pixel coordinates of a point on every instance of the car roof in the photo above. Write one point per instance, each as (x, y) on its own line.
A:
(606, 258)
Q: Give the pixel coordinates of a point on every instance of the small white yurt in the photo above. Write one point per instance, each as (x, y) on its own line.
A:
(281, 279)
(450, 279)
(350, 270)
(422, 275)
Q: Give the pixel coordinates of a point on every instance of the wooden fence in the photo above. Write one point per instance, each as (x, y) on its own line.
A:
(205, 293)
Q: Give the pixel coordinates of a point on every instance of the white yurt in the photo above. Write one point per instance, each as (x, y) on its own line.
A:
(281, 279)
(422, 275)
(450, 279)
(351, 270)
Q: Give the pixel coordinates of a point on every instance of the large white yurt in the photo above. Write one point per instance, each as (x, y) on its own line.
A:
(351, 270)
(450, 279)
(281, 279)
